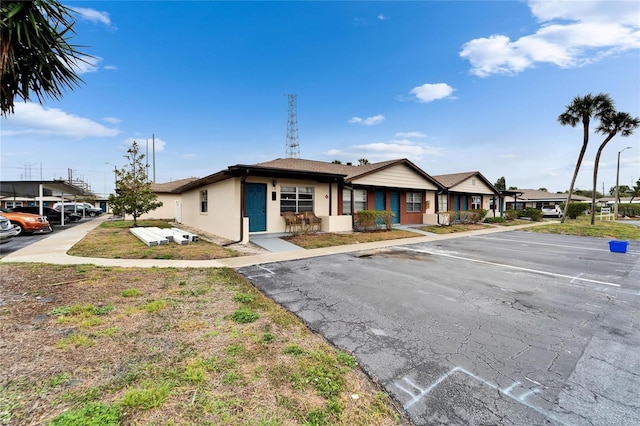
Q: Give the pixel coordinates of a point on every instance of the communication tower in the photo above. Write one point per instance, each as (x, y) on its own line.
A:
(293, 145)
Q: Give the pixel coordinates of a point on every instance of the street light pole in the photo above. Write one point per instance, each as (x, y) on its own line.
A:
(115, 173)
(617, 200)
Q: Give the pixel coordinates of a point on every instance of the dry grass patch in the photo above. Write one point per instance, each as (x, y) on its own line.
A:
(320, 240)
(167, 349)
(113, 240)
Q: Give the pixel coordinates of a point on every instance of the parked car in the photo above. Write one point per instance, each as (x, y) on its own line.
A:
(552, 211)
(27, 223)
(53, 215)
(7, 230)
(85, 209)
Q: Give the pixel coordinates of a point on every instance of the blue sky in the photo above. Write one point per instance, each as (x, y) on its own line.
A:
(452, 86)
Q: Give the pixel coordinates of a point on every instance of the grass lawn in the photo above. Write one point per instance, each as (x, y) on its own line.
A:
(117, 346)
(582, 226)
(114, 241)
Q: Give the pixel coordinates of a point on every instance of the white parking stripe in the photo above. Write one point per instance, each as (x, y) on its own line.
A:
(535, 271)
(528, 242)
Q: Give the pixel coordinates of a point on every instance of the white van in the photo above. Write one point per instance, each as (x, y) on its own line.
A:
(86, 209)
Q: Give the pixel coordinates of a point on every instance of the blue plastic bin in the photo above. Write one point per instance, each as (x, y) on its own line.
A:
(618, 246)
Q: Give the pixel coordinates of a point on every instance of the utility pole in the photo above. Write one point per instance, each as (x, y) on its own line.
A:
(617, 200)
(293, 145)
(153, 135)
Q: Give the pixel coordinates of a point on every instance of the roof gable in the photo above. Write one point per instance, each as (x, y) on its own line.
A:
(452, 180)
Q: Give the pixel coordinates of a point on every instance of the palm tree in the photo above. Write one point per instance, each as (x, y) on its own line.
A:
(34, 53)
(582, 109)
(611, 124)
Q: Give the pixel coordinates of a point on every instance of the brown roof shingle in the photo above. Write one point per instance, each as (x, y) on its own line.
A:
(171, 186)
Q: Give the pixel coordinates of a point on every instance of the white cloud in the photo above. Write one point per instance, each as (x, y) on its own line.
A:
(569, 36)
(112, 120)
(87, 64)
(32, 118)
(111, 67)
(410, 135)
(370, 121)
(431, 92)
(93, 15)
(381, 151)
(381, 17)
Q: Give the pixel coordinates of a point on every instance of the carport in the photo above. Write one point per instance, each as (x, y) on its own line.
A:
(39, 189)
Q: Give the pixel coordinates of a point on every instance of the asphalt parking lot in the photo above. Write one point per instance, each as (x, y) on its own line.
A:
(511, 328)
(24, 240)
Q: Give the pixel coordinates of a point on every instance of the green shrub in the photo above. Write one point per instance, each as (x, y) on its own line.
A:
(630, 210)
(511, 214)
(370, 220)
(577, 209)
(471, 216)
(533, 214)
(496, 219)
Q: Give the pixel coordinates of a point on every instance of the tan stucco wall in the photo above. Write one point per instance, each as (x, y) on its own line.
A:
(223, 215)
(468, 187)
(167, 211)
(398, 176)
(224, 201)
(275, 222)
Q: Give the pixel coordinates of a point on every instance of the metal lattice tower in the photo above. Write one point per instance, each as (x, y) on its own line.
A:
(293, 145)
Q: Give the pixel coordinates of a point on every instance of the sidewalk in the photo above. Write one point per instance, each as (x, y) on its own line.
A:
(53, 250)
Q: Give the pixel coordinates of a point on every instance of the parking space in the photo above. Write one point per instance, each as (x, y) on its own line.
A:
(508, 328)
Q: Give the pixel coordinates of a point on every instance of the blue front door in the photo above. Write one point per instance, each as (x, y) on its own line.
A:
(256, 206)
(395, 206)
(380, 200)
(381, 205)
(456, 207)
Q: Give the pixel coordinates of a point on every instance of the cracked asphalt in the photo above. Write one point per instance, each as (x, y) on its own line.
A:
(515, 328)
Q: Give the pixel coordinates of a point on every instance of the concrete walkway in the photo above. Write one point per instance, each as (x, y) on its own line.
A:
(53, 250)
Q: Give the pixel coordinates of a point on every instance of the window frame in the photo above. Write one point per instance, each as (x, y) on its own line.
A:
(476, 205)
(413, 203)
(301, 198)
(443, 202)
(204, 201)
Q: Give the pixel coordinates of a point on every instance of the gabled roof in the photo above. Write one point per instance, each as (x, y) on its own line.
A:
(351, 173)
(453, 179)
(169, 187)
(298, 168)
